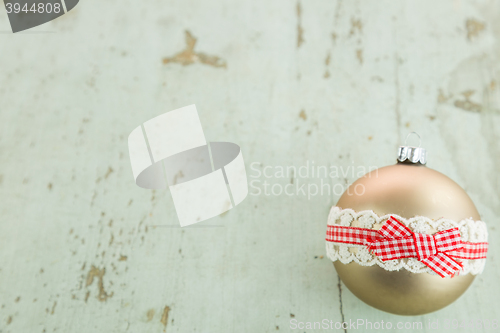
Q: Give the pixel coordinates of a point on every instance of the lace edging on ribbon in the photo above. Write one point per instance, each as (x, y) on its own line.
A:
(470, 230)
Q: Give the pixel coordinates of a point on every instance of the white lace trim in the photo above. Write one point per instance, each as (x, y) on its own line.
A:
(470, 231)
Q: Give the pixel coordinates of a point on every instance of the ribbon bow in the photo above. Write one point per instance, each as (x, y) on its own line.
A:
(400, 242)
(396, 241)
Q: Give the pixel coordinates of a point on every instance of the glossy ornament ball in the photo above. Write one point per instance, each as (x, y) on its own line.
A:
(407, 190)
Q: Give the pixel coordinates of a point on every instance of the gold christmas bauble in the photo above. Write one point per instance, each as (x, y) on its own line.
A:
(407, 190)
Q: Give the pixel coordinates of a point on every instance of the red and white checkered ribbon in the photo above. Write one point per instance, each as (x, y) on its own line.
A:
(396, 241)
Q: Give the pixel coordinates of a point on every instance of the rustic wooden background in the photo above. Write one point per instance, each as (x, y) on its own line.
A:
(334, 83)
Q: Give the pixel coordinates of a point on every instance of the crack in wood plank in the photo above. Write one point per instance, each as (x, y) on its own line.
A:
(300, 30)
(339, 285)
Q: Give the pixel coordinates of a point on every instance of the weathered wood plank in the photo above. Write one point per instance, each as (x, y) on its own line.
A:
(334, 83)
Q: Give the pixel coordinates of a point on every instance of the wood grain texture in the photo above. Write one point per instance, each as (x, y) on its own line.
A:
(337, 83)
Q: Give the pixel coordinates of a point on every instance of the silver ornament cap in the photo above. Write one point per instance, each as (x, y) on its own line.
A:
(412, 155)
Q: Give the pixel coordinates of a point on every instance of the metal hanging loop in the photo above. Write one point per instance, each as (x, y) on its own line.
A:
(419, 138)
(412, 155)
